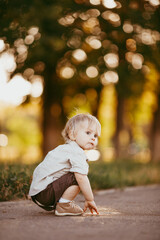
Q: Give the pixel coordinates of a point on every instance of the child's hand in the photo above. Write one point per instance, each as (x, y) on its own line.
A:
(91, 205)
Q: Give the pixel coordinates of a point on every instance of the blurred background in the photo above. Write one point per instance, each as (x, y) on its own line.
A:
(62, 57)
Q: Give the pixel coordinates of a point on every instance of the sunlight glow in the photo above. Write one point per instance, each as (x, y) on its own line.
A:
(111, 60)
(2, 45)
(93, 155)
(7, 61)
(15, 90)
(3, 140)
(79, 55)
(37, 86)
(92, 72)
(109, 77)
(154, 2)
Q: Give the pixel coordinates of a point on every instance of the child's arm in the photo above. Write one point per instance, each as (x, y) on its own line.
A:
(85, 187)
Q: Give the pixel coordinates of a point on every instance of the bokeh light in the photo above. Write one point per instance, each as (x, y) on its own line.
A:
(28, 73)
(67, 20)
(127, 27)
(37, 86)
(95, 2)
(90, 25)
(137, 61)
(131, 45)
(3, 140)
(154, 2)
(111, 60)
(67, 72)
(94, 42)
(29, 39)
(7, 61)
(112, 17)
(92, 72)
(33, 30)
(147, 37)
(109, 3)
(2, 45)
(109, 77)
(13, 91)
(79, 55)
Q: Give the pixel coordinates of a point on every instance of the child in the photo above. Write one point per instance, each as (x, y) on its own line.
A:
(63, 173)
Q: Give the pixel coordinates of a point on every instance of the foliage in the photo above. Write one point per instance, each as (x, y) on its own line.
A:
(23, 133)
(123, 173)
(15, 179)
(129, 30)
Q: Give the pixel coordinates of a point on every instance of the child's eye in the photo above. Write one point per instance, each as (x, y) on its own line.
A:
(87, 132)
(95, 135)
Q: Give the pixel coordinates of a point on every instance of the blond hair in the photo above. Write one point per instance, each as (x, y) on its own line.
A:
(74, 122)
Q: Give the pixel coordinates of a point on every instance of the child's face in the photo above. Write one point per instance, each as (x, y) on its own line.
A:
(86, 135)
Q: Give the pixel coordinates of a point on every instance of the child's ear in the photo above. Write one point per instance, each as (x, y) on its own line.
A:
(71, 136)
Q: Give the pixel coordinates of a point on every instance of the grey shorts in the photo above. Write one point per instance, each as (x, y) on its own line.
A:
(48, 198)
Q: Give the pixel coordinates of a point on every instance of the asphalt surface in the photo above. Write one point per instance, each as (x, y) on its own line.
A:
(131, 213)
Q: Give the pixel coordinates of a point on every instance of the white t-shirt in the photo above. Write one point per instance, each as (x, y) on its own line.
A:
(65, 158)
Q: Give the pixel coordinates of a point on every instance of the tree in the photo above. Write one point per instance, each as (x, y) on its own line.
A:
(115, 36)
(43, 49)
(81, 46)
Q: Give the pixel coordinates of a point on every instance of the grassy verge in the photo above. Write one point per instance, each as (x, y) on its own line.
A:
(15, 179)
(120, 174)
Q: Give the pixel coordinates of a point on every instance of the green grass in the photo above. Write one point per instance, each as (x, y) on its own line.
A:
(15, 179)
(120, 174)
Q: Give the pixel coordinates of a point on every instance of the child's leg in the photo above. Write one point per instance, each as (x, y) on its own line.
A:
(65, 186)
(71, 192)
(66, 206)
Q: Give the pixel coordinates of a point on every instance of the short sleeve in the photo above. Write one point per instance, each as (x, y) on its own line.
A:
(78, 163)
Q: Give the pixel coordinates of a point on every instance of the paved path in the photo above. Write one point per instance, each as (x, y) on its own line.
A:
(129, 214)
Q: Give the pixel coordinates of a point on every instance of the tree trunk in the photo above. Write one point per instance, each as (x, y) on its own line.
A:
(155, 134)
(119, 126)
(123, 134)
(52, 128)
(53, 118)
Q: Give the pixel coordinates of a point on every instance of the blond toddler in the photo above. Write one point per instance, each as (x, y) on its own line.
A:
(63, 173)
